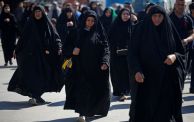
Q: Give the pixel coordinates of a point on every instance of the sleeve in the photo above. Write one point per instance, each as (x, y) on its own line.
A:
(105, 45)
(133, 51)
(23, 38)
(190, 24)
(181, 61)
(57, 40)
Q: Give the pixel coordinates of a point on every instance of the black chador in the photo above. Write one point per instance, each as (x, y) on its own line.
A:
(119, 37)
(67, 29)
(8, 29)
(92, 90)
(159, 97)
(38, 72)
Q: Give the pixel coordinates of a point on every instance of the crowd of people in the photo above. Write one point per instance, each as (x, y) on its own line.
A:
(147, 55)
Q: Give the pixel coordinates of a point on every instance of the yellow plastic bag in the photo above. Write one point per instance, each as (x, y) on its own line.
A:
(67, 64)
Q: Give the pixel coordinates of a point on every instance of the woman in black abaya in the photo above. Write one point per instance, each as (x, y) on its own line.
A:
(120, 35)
(67, 29)
(8, 29)
(91, 61)
(38, 52)
(157, 68)
(108, 18)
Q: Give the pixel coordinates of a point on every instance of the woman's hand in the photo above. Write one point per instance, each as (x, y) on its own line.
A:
(14, 54)
(47, 52)
(170, 59)
(59, 52)
(76, 51)
(139, 77)
(104, 67)
(7, 20)
(69, 24)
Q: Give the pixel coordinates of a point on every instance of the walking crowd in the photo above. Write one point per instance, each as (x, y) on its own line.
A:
(147, 55)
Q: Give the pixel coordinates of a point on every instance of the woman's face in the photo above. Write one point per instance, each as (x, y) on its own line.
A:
(157, 19)
(69, 15)
(125, 16)
(38, 14)
(7, 9)
(90, 22)
(108, 13)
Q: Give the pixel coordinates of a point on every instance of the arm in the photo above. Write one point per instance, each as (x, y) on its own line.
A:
(133, 51)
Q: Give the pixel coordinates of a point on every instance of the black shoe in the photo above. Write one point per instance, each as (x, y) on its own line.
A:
(191, 90)
(40, 100)
(5, 64)
(10, 62)
(33, 101)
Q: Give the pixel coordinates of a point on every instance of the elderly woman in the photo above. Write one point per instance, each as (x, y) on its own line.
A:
(38, 52)
(156, 62)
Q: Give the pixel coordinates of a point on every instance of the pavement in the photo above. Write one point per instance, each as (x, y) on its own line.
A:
(15, 108)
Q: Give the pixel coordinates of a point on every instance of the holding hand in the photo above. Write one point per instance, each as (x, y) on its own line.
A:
(14, 55)
(170, 59)
(7, 20)
(139, 77)
(76, 51)
(59, 52)
(69, 24)
(184, 42)
(47, 52)
(104, 67)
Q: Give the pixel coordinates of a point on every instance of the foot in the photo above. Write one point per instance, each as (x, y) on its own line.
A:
(5, 64)
(81, 119)
(40, 100)
(123, 98)
(10, 62)
(33, 101)
(191, 90)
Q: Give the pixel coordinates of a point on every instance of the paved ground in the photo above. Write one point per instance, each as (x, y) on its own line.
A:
(15, 108)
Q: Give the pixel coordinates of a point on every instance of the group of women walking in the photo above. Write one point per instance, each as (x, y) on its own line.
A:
(145, 60)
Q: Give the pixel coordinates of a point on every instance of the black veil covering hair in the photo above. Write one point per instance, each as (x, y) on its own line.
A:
(63, 17)
(3, 14)
(166, 29)
(97, 25)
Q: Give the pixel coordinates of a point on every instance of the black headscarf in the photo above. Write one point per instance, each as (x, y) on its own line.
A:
(3, 14)
(120, 26)
(63, 19)
(97, 27)
(90, 13)
(191, 6)
(105, 19)
(119, 19)
(162, 35)
(46, 30)
(148, 6)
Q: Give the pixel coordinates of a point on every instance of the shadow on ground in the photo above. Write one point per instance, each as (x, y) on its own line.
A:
(7, 105)
(119, 106)
(60, 103)
(61, 120)
(11, 67)
(188, 98)
(188, 109)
